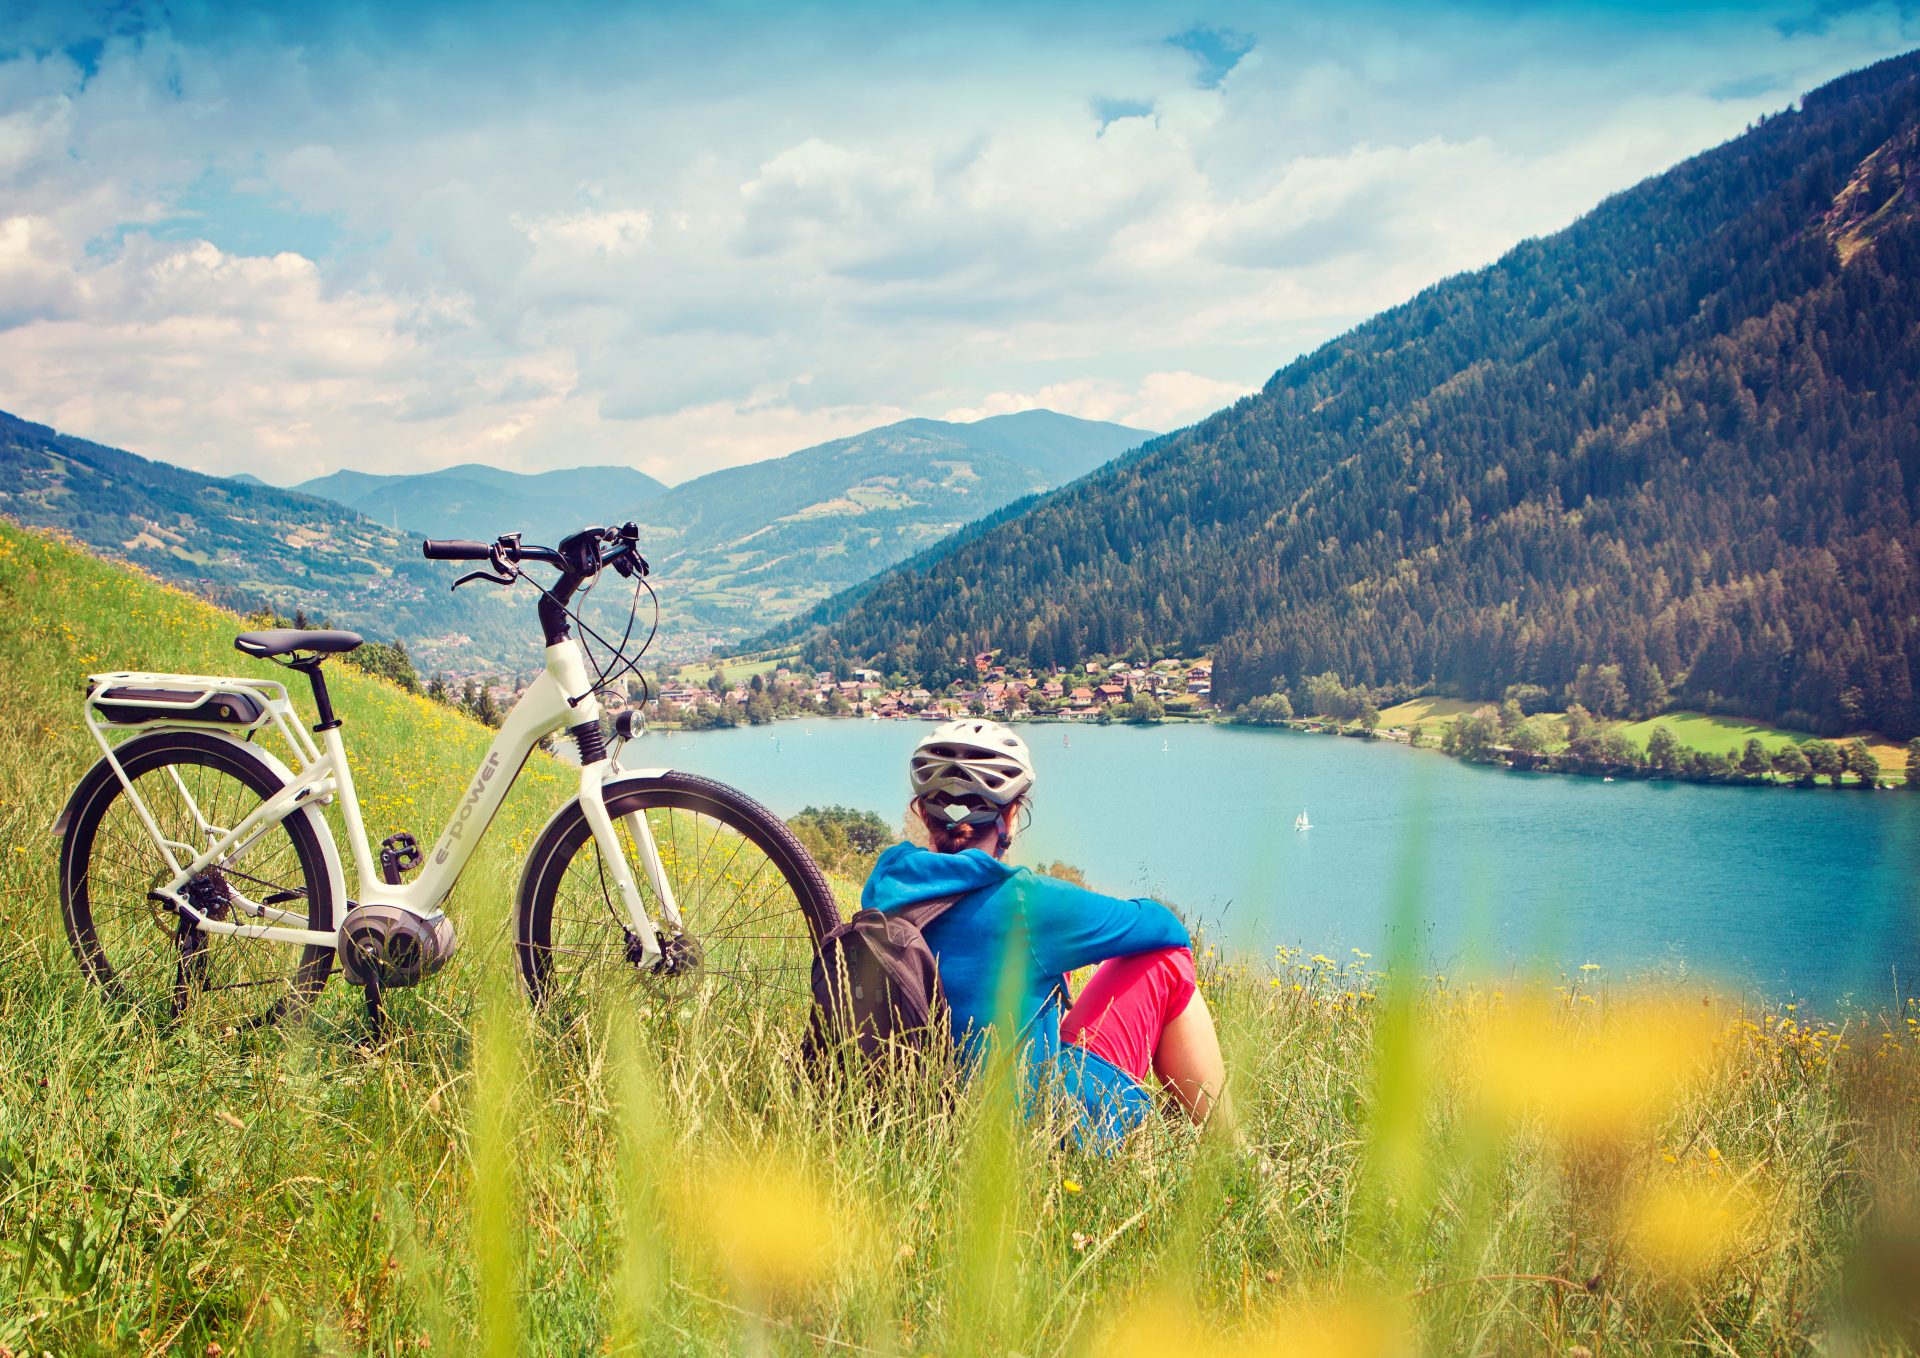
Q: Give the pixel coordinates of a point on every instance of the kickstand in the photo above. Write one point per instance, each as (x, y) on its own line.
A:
(376, 1017)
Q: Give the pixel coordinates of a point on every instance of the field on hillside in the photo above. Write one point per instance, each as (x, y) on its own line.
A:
(1701, 731)
(1425, 711)
(1577, 1167)
(1729, 735)
(733, 670)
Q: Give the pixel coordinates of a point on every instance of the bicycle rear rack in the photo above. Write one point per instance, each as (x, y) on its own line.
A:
(128, 701)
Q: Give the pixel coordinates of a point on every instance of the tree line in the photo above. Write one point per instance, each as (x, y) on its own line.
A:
(1579, 743)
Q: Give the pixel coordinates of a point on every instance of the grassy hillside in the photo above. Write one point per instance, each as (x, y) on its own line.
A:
(1429, 711)
(1729, 735)
(733, 669)
(1503, 1169)
(251, 545)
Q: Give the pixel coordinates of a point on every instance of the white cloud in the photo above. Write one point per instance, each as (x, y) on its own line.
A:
(683, 241)
(605, 234)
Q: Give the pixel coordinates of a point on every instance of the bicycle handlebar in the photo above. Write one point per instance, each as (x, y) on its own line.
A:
(581, 555)
(579, 558)
(455, 549)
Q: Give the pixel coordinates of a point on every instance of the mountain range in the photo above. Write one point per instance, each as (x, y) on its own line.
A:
(246, 544)
(1673, 446)
(746, 545)
(476, 501)
(741, 548)
(735, 550)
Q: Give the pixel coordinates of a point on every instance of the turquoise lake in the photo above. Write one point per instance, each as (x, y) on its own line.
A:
(1810, 894)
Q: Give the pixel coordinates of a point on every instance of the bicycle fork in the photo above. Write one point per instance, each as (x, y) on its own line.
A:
(593, 804)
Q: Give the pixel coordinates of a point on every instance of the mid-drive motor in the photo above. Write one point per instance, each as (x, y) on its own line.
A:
(389, 945)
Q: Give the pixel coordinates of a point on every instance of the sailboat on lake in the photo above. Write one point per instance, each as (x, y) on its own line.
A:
(1300, 822)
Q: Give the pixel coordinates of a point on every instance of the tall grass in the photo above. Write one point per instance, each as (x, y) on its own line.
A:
(1499, 1168)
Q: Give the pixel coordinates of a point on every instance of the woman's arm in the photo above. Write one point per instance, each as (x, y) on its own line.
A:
(1069, 927)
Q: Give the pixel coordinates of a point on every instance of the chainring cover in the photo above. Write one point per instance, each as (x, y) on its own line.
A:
(389, 945)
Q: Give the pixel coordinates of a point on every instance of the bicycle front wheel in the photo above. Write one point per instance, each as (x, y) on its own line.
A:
(130, 941)
(754, 903)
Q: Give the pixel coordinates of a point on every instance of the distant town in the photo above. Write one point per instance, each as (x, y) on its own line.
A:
(740, 694)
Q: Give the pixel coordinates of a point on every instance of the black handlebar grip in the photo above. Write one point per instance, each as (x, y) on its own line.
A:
(455, 549)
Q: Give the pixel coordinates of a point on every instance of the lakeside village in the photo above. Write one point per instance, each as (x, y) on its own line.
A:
(1099, 692)
(1598, 734)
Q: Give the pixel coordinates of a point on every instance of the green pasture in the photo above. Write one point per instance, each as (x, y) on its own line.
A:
(1422, 711)
(1729, 735)
(735, 670)
(1701, 731)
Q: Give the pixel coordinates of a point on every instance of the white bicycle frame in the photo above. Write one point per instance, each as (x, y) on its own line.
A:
(561, 697)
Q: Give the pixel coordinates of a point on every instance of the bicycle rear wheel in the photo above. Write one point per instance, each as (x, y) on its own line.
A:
(754, 903)
(136, 948)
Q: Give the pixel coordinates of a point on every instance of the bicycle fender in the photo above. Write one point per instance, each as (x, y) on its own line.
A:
(612, 788)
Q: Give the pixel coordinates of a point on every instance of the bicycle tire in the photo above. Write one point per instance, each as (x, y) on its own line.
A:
(774, 965)
(102, 856)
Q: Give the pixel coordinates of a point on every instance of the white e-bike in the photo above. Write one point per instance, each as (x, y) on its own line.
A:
(200, 878)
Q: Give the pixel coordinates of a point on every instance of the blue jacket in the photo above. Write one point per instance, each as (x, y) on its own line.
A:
(1018, 929)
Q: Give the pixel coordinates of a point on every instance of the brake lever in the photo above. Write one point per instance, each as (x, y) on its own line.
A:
(631, 563)
(626, 557)
(488, 576)
(504, 572)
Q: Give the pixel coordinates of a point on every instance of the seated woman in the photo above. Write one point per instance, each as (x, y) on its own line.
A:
(1010, 939)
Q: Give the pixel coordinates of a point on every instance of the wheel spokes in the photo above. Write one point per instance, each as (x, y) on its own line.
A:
(739, 908)
(144, 953)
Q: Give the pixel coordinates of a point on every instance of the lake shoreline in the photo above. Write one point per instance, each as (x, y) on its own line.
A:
(1557, 762)
(1634, 770)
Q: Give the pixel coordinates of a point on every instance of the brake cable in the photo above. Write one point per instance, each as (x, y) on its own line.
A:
(618, 662)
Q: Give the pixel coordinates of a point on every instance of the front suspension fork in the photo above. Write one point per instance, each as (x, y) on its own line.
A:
(593, 804)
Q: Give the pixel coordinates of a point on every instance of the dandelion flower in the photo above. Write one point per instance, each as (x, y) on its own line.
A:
(773, 1230)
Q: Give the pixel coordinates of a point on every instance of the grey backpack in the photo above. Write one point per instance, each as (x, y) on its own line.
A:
(875, 982)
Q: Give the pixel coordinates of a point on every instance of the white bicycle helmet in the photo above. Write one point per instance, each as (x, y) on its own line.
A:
(970, 761)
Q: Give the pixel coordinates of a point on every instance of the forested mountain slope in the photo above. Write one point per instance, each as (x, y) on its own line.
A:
(1681, 437)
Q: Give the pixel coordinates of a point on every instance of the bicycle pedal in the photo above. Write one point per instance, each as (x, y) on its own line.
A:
(399, 855)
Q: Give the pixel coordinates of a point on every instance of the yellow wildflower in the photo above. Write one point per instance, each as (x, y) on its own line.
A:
(1680, 1231)
(1587, 1078)
(773, 1230)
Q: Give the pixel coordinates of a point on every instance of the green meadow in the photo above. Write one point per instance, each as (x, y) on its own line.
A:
(1558, 1165)
(1703, 731)
(734, 670)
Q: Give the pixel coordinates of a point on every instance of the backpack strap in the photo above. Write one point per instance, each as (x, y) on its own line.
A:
(922, 913)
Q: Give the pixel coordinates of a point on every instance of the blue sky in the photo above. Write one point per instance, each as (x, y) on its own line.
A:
(286, 239)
